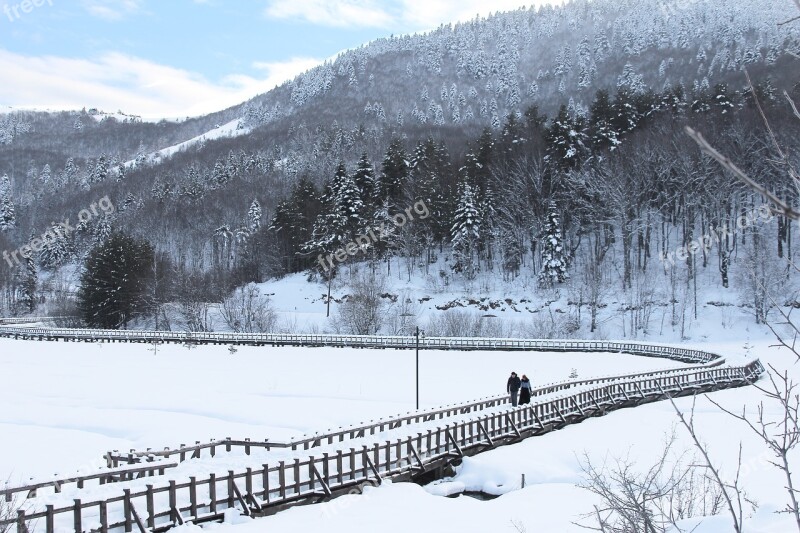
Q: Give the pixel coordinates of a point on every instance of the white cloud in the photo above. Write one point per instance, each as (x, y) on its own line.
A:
(395, 15)
(117, 81)
(111, 9)
(342, 13)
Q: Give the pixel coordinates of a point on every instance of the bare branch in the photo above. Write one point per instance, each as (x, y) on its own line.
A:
(780, 206)
(781, 436)
(784, 157)
(791, 103)
(736, 515)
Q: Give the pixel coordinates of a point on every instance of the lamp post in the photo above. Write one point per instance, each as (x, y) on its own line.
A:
(417, 334)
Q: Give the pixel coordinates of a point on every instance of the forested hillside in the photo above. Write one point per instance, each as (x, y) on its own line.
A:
(544, 142)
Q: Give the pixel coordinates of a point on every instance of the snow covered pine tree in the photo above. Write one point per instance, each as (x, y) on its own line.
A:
(554, 264)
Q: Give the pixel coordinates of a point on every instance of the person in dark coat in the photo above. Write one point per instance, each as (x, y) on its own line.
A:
(512, 387)
(524, 390)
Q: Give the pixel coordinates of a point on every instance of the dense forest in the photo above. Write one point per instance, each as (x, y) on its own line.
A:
(546, 142)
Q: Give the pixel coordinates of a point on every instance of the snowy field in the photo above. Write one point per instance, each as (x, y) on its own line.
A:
(65, 405)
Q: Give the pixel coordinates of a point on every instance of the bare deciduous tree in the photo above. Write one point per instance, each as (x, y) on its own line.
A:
(363, 312)
(781, 435)
(8, 515)
(673, 488)
(734, 496)
(403, 315)
(247, 311)
(195, 315)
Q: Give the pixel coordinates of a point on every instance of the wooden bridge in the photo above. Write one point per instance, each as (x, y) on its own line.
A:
(147, 491)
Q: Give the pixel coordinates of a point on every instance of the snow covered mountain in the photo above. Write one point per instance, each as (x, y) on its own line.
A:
(501, 124)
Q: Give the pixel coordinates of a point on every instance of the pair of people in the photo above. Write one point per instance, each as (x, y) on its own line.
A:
(519, 387)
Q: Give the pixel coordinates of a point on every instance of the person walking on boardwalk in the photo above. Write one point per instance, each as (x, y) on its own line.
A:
(512, 387)
(525, 390)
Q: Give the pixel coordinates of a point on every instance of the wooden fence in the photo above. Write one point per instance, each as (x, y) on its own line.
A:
(685, 355)
(213, 446)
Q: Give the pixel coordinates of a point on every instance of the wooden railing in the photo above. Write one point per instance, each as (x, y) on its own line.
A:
(111, 475)
(357, 341)
(184, 452)
(331, 470)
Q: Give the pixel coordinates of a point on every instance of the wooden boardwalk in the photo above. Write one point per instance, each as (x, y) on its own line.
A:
(322, 466)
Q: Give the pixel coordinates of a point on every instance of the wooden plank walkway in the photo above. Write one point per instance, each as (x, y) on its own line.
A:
(685, 355)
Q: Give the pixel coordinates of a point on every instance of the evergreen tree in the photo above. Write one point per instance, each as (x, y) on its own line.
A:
(56, 249)
(566, 141)
(46, 176)
(395, 173)
(293, 224)
(477, 169)
(387, 234)
(364, 179)
(8, 217)
(254, 215)
(554, 264)
(466, 232)
(348, 207)
(115, 282)
(430, 165)
(602, 131)
(28, 297)
(70, 173)
(100, 171)
(340, 221)
(626, 114)
(102, 229)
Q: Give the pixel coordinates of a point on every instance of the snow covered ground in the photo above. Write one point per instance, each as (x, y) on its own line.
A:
(68, 404)
(231, 129)
(64, 405)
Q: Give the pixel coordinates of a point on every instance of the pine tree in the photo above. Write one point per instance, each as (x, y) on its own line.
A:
(254, 215)
(340, 221)
(364, 179)
(477, 169)
(566, 140)
(115, 282)
(56, 249)
(46, 176)
(602, 131)
(554, 264)
(8, 217)
(395, 172)
(100, 171)
(466, 232)
(29, 284)
(348, 207)
(294, 222)
(70, 173)
(102, 229)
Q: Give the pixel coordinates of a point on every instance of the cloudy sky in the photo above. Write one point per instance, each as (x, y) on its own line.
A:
(175, 58)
